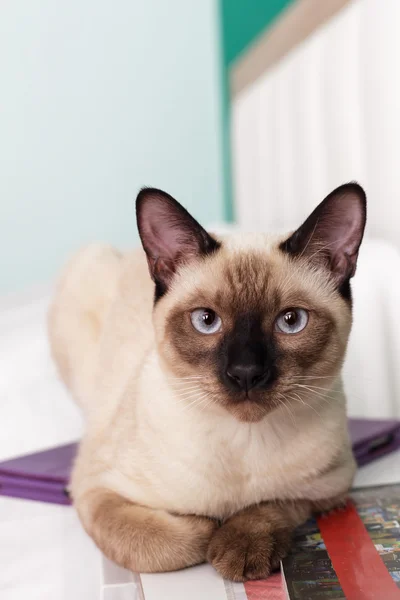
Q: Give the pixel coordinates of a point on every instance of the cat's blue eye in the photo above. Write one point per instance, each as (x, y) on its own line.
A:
(205, 320)
(292, 320)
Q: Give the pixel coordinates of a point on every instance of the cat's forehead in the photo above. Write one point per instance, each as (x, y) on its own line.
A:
(246, 280)
(246, 272)
(249, 272)
(252, 273)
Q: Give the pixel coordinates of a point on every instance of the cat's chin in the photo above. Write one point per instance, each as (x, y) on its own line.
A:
(248, 411)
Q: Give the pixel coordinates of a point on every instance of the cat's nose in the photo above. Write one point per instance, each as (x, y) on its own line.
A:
(248, 376)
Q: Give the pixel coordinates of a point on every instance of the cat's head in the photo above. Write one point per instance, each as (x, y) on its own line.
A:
(247, 322)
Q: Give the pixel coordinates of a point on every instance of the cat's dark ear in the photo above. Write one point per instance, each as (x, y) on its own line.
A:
(169, 235)
(332, 234)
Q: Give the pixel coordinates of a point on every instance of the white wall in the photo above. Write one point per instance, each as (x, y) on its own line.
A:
(98, 98)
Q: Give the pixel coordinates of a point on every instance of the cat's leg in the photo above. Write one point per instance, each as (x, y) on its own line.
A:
(143, 539)
(251, 543)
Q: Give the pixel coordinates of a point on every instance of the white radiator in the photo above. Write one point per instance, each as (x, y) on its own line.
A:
(329, 113)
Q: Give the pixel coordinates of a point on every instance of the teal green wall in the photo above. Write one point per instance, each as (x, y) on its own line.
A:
(228, 211)
(244, 20)
(99, 98)
(241, 21)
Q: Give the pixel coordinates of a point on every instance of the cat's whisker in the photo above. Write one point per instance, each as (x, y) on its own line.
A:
(189, 385)
(291, 415)
(313, 377)
(327, 396)
(188, 389)
(176, 377)
(298, 397)
(317, 392)
(288, 410)
(212, 398)
(306, 404)
(184, 379)
(186, 402)
(331, 393)
(187, 377)
(196, 402)
(323, 392)
(190, 392)
(317, 387)
(189, 396)
(186, 385)
(204, 404)
(348, 376)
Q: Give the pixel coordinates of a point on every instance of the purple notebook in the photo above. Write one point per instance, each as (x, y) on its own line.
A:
(40, 476)
(45, 475)
(373, 439)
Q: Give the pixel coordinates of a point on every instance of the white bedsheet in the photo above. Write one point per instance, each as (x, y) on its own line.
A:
(44, 552)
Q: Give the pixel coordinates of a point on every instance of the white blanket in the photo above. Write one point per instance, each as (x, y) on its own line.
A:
(372, 366)
(44, 552)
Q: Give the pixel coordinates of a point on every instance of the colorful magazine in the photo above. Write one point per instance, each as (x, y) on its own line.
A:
(352, 554)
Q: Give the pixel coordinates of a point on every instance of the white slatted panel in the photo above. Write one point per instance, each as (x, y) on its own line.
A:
(246, 162)
(326, 114)
(380, 89)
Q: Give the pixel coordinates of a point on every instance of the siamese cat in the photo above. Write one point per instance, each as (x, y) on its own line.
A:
(209, 373)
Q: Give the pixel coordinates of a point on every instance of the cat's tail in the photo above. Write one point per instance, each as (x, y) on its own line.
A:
(82, 299)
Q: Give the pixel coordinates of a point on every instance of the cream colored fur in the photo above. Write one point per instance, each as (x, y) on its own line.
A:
(143, 442)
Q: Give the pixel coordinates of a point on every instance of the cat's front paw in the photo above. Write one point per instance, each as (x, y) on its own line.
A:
(240, 554)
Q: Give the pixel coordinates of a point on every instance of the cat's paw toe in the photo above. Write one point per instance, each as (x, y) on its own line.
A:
(239, 555)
